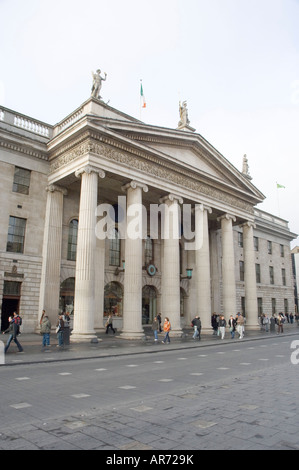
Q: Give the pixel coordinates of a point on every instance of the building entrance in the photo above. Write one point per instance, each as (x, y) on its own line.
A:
(149, 304)
(9, 306)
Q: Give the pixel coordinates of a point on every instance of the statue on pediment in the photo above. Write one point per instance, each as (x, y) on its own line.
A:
(184, 123)
(184, 120)
(97, 83)
(245, 168)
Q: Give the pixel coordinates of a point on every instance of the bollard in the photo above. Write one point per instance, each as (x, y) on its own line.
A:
(2, 355)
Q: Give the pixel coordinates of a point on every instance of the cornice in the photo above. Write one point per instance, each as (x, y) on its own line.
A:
(16, 147)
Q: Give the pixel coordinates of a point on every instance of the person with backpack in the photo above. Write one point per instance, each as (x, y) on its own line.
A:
(18, 321)
(13, 331)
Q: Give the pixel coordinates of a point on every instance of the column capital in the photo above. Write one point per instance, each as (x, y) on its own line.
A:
(53, 187)
(134, 185)
(248, 224)
(90, 169)
(202, 208)
(171, 197)
(227, 217)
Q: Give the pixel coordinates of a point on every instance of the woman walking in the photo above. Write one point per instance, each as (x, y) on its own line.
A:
(166, 329)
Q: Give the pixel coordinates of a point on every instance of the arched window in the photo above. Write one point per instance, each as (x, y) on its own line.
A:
(72, 240)
(114, 248)
(148, 251)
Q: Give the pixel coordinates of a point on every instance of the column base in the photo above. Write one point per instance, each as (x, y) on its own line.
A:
(177, 333)
(131, 335)
(84, 338)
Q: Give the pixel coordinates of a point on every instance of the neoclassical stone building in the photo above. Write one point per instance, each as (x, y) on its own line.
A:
(56, 182)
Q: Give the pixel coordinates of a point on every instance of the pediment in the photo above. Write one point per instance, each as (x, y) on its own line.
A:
(191, 152)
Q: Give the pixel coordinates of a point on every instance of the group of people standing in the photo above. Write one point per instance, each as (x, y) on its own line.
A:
(235, 324)
(62, 329)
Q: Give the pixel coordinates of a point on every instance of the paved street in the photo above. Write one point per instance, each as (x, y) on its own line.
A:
(187, 396)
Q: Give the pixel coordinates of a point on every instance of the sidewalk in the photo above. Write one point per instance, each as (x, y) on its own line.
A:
(112, 345)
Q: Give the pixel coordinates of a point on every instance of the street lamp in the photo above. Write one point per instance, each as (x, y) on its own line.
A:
(189, 274)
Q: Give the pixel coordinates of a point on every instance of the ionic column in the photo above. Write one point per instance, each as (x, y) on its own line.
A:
(203, 272)
(228, 266)
(50, 276)
(84, 308)
(132, 302)
(171, 263)
(251, 308)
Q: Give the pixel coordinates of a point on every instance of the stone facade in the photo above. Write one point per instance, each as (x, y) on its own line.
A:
(95, 157)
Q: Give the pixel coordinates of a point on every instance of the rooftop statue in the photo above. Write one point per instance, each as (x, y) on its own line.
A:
(245, 168)
(184, 120)
(97, 83)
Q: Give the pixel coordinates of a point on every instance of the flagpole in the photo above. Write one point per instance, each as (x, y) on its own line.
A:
(140, 100)
(277, 198)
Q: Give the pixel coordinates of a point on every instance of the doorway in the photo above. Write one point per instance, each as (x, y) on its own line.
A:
(149, 304)
(9, 305)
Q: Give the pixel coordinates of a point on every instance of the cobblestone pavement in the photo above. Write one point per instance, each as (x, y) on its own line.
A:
(190, 397)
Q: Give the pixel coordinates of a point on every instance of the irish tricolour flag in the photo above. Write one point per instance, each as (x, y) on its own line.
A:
(142, 97)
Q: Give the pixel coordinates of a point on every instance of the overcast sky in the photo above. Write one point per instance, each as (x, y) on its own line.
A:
(236, 62)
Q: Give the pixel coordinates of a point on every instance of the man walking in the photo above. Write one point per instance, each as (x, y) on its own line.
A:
(196, 323)
(240, 325)
(13, 331)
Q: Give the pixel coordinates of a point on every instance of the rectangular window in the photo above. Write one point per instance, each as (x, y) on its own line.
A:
(271, 274)
(256, 243)
(269, 248)
(258, 273)
(286, 306)
(21, 180)
(283, 275)
(12, 288)
(240, 239)
(16, 235)
(114, 249)
(282, 251)
(273, 306)
(241, 265)
(260, 306)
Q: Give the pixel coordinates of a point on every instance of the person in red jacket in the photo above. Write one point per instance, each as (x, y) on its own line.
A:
(166, 329)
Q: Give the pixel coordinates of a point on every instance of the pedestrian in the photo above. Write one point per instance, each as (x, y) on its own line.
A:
(18, 321)
(214, 323)
(13, 330)
(155, 328)
(109, 324)
(66, 329)
(160, 321)
(45, 330)
(291, 318)
(196, 323)
(232, 326)
(240, 325)
(59, 331)
(272, 324)
(222, 326)
(166, 329)
(266, 323)
(280, 321)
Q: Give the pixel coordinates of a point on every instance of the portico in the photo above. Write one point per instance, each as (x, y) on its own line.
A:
(100, 160)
